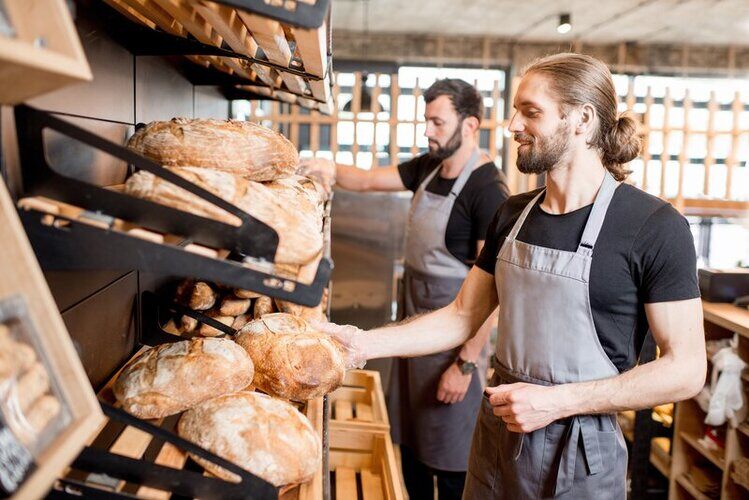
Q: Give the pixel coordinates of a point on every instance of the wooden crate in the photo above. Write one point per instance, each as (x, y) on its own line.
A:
(288, 49)
(134, 443)
(39, 49)
(23, 285)
(365, 457)
(360, 402)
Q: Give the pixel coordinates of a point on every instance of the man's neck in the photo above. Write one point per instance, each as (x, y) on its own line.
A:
(453, 166)
(573, 184)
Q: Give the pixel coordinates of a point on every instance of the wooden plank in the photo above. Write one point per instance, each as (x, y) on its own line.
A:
(493, 115)
(345, 483)
(343, 410)
(364, 412)
(736, 107)
(157, 16)
(712, 107)
(394, 94)
(728, 316)
(646, 139)
(371, 485)
(270, 36)
(313, 47)
(230, 27)
(375, 117)
(683, 160)
(169, 456)
(415, 121)
(130, 13)
(667, 104)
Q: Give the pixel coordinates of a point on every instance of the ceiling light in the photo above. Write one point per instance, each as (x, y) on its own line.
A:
(565, 23)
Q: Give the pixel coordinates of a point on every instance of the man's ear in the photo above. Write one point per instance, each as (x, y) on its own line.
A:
(586, 120)
(470, 125)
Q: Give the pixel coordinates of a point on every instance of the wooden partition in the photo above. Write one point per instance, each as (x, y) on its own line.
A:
(667, 163)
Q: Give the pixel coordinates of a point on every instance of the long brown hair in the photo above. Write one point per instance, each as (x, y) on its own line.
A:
(577, 79)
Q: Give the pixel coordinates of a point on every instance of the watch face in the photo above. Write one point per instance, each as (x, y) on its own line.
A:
(467, 367)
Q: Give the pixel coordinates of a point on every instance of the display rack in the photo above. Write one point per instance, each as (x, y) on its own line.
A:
(76, 225)
(253, 48)
(721, 321)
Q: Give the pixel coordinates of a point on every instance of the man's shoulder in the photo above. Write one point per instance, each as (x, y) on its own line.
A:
(637, 207)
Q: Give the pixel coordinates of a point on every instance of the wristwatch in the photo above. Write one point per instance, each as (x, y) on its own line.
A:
(465, 367)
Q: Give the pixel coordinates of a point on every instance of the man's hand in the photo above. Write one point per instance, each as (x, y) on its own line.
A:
(346, 335)
(453, 385)
(318, 168)
(526, 407)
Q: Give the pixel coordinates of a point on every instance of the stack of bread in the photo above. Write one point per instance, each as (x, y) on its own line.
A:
(245, 164)
(279, 353)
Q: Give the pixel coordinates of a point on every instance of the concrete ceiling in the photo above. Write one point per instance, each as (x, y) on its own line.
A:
(699, 22)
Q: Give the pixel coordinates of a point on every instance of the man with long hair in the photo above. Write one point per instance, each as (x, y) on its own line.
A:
(581, 270)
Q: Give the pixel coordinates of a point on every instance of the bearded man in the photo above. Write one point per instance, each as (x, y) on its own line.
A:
(581, 269)
(433, 399)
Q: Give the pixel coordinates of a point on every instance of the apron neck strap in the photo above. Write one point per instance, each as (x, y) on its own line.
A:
(597, 214)
(462, 178)
(595, 220)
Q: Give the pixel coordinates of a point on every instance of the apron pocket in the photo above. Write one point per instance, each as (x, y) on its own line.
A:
(482, 463)
(611, 479)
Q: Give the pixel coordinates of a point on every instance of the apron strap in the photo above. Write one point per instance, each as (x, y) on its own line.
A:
(597, 214)
(460, 181)
(519, 223)
(581, 426)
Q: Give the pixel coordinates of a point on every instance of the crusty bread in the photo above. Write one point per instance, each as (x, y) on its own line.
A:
(263, 305)
(307, 313)
(292, 360)
(286, 209)
(237, 147)
(170, 378)
(266, 436)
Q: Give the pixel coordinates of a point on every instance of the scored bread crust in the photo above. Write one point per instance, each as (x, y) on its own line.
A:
(292, 360)
(263, 435)
(240, 148)
(171, 378)
(289, 210)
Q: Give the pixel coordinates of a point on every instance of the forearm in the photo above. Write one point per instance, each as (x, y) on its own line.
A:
(353, 178)
(664, 380)
(471, 349)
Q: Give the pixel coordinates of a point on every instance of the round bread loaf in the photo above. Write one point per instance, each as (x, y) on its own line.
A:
(171, 378)
(292, 360)
(266, 436)
(240, 148)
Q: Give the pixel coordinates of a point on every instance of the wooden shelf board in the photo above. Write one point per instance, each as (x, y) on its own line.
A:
(664, 467)
(728, 316)
(714, 457)
(744, 429)
(685, 483)
(659, 461)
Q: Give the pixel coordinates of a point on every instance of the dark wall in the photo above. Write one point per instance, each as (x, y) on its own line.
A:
(100, 307)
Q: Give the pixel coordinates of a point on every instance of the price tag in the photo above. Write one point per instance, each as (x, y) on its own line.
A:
(16, 463)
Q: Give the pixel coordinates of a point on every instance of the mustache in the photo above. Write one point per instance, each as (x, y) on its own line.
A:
(523, 138)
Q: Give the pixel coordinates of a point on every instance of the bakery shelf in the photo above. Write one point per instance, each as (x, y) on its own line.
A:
(132, 458)
(728, 316)
(659, 455)
(717, 459)
(743, 428)
(76, 225)
(685, 483)
(360, 402)
(276, 50)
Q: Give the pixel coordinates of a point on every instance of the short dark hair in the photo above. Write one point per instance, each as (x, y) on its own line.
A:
(465, 98)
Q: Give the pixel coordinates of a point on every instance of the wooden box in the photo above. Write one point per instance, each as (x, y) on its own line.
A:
(360, 402)
(32, 324)
(39, 49)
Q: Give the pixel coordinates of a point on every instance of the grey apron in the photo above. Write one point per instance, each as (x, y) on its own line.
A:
(547, 336)
(438, 433)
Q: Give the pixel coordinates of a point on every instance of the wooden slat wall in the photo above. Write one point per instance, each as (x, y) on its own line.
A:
(663, 178)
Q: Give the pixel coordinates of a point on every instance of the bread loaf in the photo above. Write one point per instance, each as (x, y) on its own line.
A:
(208, 331)
(265, 436)
(292, 360)
(173, 377)
(237, 147)
(231, 306)
(296, 220)
(263, 306)
(307, 313)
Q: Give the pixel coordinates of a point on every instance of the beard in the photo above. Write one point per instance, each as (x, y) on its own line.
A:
(544, 152)
(439, 152)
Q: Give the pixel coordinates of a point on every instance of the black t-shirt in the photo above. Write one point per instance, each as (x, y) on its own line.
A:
(485, 190)
(644, 254)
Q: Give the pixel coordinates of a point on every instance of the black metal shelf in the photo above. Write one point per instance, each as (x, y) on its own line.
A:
(62, 243)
